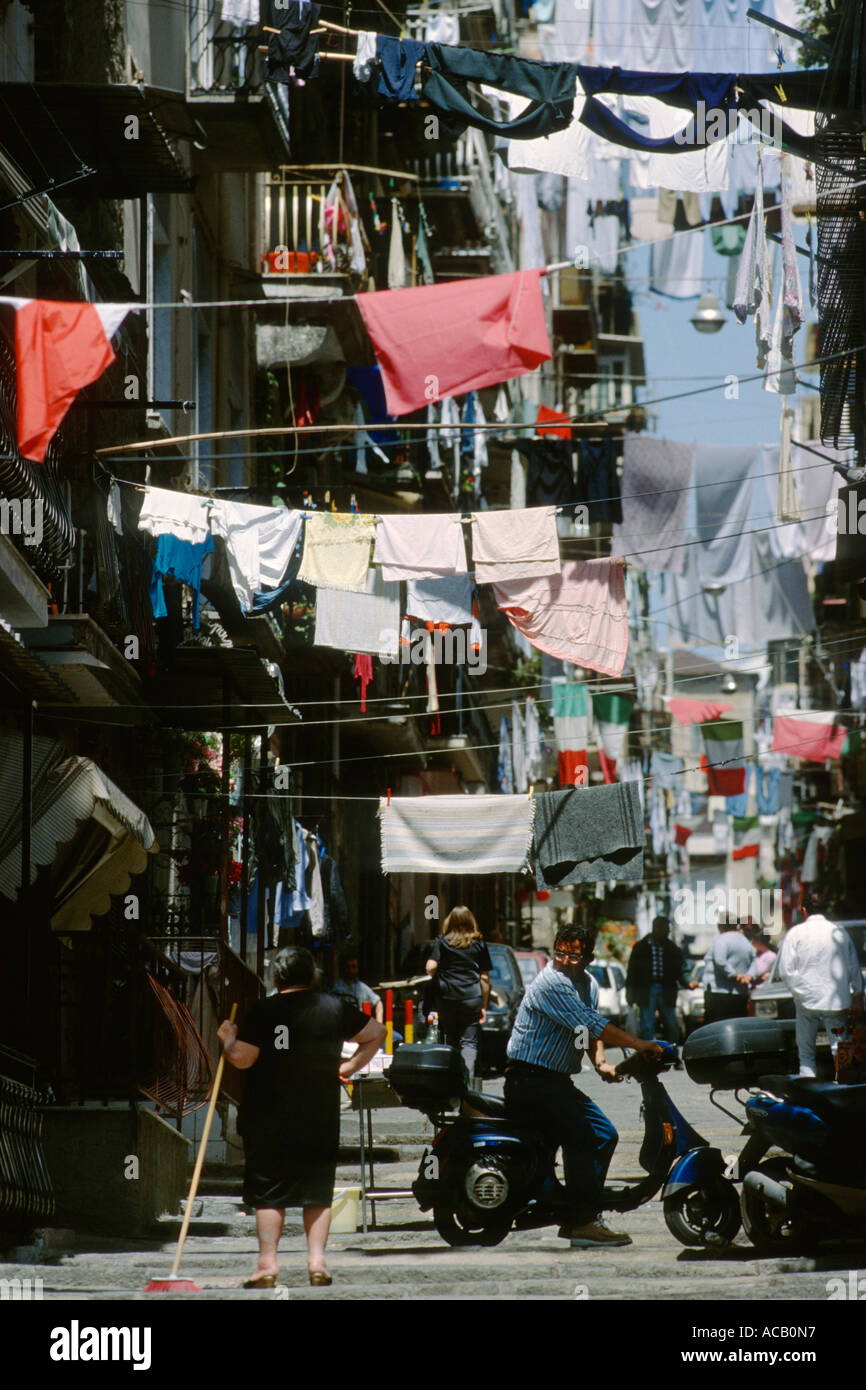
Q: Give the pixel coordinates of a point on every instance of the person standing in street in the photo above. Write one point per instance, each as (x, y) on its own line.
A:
(655, 973)
(351, 986)
(291, 1044)
(818, 962)
(765, 959)
(556, 1023)
(732, 961)
(460, 964)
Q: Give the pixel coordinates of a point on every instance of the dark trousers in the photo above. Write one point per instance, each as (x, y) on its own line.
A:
(458, 1027)
(567, 1119)
(718, 1006)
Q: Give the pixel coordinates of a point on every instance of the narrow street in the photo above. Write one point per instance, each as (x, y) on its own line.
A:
(404, 1258)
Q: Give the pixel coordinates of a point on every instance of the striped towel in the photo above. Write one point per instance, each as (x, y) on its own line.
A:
(456, 834)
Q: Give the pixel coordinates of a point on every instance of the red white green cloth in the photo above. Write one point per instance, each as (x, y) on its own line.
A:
(723, 761)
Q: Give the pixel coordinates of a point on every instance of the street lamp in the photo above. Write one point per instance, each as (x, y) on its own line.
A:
(708, 317)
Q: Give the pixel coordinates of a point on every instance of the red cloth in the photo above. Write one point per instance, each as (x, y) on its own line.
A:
(724, 781)
(681, 833)
(608, 766)
(568, 761)
(59, 349)
(553, 422)
(434, 341)
(813, 739)
(695, 711)
(363, 673)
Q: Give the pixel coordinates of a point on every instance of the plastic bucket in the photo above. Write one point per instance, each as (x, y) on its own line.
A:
(344, 1209)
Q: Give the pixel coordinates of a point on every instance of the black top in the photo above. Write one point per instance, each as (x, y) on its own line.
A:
(300, 1036)
(460, 968)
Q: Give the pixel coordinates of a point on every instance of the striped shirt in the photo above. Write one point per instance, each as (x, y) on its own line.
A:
(546, 1028)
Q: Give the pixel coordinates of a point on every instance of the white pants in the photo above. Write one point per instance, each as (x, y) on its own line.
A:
(809, 1021)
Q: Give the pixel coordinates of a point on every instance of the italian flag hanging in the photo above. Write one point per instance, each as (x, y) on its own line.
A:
(747, 837)
(570, 726)
(723, 760)
(812, 735)
(612, 715)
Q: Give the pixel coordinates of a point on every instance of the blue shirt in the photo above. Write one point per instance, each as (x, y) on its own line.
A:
(553, 1009)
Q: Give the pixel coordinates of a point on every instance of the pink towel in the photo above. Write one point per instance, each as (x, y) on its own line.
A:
(579, 615)
(443, 340)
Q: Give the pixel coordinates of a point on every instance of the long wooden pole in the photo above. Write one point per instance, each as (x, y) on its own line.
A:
(199, 1163)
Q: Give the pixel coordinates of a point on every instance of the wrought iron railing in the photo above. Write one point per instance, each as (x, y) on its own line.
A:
(26, 1191)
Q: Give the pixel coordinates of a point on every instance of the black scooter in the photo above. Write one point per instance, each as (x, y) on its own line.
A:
(486, 1175)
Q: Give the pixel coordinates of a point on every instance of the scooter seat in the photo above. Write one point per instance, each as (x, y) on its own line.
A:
(493, 1106)
(828, 1099)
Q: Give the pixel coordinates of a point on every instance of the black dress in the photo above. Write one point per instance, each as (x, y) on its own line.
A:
(290, 1116)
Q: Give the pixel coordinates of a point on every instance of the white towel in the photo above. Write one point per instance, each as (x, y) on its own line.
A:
(368, 622)
(337, 550)
(456, 834)
(420, 547)
(365, 56)
(515, 544)
(168, 513)
(259, 544)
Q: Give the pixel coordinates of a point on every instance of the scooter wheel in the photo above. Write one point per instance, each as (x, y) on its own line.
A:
(708, 1215)
(454, 1232)
(772, 1232)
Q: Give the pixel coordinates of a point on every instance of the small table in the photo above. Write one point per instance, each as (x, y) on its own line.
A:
(369, 1093)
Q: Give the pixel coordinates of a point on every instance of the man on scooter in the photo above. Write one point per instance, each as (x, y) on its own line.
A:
(557, 1021)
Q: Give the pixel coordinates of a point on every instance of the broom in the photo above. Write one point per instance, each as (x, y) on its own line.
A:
(174, 1282)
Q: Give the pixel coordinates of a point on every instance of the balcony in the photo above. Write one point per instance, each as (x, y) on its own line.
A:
(244, 117)
(458, 190)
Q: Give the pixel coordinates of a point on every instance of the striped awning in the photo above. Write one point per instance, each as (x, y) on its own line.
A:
(67, 792)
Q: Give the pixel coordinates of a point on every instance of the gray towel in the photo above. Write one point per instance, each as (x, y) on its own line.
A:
(589, 833)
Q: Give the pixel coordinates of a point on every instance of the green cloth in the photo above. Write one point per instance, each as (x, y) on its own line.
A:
(569, 699)
(612, 709)
(730, 240)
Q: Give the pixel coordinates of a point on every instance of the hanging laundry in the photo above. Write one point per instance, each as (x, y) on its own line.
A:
(337, 550)
(739, 805)
(294, 51)
(788, 506)
(398, 270)
(728, 241)
(754, 286)
(456, 834)
(422, 256)
(812, 735)
(646, 224)
(336, 906)
(683, 833)
(549, 86)
(723, 760)
(768, 789)
(790, 310)
(579, 615)
(360, 622)
(362, 672)
(510, 545)
(562, 152)
(240, 13)
(114, 508)
(59, 349)
(259, 542)
(455, 337)
(367, 381)
(181, 560)
(504, 766)
(690, 170)
(694, 711)
(587, 834)
(666, 769)
(534, 743)
(724, 488)
(442, 27)
(550, 422)
(398, 59)
(168, 513)
(684, 90)
(570, 724)
(549, 470)
(598, 479)
(342, 213)
(676, 266)
(656, 478)
(444, 600)
(364, 62)
(612, 715)
(747, 837)
(420, 547)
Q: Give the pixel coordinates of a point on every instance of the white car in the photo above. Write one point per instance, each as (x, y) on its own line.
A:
(610, 977)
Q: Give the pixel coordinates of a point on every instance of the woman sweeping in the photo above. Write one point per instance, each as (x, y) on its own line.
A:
(460, 964)
(290, 1117)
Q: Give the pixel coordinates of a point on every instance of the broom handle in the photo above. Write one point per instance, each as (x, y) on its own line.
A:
(199, 1163)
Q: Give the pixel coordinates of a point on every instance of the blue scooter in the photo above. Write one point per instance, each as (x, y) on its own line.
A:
(486, 1175)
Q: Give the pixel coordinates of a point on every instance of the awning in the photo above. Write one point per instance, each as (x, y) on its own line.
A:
(82, 823)
(94, 122)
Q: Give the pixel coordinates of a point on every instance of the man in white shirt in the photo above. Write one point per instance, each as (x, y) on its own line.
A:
(819, 964)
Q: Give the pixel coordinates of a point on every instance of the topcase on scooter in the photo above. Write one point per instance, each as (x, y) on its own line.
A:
(427, 1074)
(737, 1051)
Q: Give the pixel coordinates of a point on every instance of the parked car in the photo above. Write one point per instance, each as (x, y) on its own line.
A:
(530, 964)
(773, 998)
(691, 1003)
(610, 978)
(506, 992)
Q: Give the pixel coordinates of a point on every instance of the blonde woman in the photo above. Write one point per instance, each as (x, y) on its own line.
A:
(460, 964)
